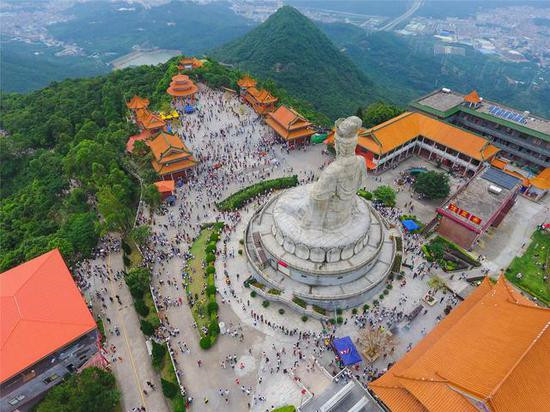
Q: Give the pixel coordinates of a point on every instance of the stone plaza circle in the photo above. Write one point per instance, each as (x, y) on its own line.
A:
(321, 242)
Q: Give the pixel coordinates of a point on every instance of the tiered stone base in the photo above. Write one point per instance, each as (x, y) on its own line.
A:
(344, 283)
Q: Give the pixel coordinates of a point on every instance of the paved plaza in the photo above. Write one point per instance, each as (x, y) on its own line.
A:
(274, 352)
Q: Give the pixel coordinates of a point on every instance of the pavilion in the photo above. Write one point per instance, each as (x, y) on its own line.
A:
(182, 89)
(491, 353)
(408, 134)
(137, 102)
(165, 187)
(171, 157)
(246, 82)
(290, 126)
(261, 100)
(149, 121)
(189, 63)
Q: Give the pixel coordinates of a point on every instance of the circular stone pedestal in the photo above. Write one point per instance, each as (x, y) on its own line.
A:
(340, 268)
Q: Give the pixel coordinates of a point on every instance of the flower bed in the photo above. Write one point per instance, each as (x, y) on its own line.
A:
(319, 310)
(448, 255)
(243, 196)
(299, 302)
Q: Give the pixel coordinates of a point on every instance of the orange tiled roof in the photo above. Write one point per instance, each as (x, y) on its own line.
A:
(493, 349)
(191, 61)
(289, 124)
(181, 86)
(165, 186)
(393, 133)
(174, 167)
(137, 102)
(542, 180)
(149, 120)
(472, 97)
(261, 96)
(246, 82)
(165, 144)
(498, 163)
(42, 311)
(144, 135)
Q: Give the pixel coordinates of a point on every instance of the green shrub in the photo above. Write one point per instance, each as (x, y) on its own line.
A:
(365, 308)
(319, 309)
(333, 321)
(241, 241)
(385, 194)
(338, 311)
(381, 296)
(265, 303)
(205, 342)
(354, 311)
(299, 302)
(158, 354)
(375, 302)
(253, 294)
(240, 198)
(210, 257)
(126, 248)
(389, 286)
(210, 270)
(386, 291)
(169, 389)
(214, 237)
(141, 307)
(304, 318)
(240, 252)
(281, 311)
(138, 280)
(146, 327)
(126, 260)
(364, 194)
(339, 320)
(210, 248)
(212, 307)
(214, 328)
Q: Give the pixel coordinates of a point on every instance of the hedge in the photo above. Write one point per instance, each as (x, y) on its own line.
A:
(212, 307)
(158, 354)
(364, 194)
(242, 197)
(141, 307)
(205, 342)
(299, 302)
(211, 290)
(146, 327)
(319, 309)
(396, 265)
(169, 389)
(214, 328)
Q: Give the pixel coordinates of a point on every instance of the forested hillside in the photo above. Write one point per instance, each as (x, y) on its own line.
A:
(291, 50)
(407, 68)
(61, 163)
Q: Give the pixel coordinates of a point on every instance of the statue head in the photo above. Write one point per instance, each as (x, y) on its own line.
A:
(345, 136)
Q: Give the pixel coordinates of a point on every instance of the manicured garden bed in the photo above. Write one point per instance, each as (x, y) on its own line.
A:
(533, 266)
(243, 196)
(201, 291)
(448, 255)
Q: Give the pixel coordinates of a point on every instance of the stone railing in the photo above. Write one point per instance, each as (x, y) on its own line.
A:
(288, 302)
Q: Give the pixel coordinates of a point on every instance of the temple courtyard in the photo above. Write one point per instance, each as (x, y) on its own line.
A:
(265, 358)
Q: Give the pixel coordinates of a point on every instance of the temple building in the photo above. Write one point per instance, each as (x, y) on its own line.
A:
(149, 121)
(522, 137)
(290, 126)
(246, 82)
(171, 157)
(47, 330)
(189, 63)
(480, 204)
(491, 353)
(261, 100)
(182, 89)
(410, 134)
(137, 102)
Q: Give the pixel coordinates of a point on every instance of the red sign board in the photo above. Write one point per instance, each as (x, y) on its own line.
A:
(464, 213)
(475, 219)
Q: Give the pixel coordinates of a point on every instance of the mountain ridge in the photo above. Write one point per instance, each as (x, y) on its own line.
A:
(291, 50)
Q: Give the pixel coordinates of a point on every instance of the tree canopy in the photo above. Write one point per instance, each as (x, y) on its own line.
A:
(432, 184)
(385, 194)
(377, 113)
(92, 390)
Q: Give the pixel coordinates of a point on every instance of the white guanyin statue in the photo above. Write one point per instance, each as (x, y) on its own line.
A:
(333, 197)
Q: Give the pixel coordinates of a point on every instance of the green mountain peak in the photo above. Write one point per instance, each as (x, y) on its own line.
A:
(290, 49)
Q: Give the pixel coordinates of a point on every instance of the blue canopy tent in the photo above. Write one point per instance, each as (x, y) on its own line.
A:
(189, 109)
(410, 225)
(346, 351)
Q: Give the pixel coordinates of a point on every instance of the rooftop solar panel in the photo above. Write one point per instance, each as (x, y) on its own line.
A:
(500, 178)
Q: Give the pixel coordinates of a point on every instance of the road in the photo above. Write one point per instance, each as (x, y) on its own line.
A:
(398, 20)
(127, 352)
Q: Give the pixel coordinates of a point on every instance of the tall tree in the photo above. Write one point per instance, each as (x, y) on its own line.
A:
(432, 184)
